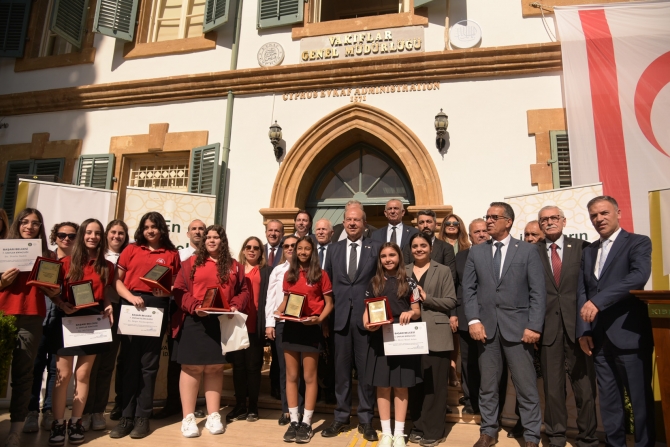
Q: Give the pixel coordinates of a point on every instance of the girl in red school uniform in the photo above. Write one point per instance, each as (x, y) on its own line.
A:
(142, 353)
(304, 339)
(87, 263)
(27, 304)
(197, 344)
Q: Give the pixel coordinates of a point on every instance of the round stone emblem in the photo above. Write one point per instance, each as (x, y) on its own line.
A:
(270, 55)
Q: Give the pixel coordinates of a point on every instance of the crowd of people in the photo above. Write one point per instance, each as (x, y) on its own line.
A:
(499, 303)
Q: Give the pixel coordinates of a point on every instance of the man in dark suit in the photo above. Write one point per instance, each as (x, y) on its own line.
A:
(303, 224)
(561, 258)
(504, 296)
(395, 231)
(443, 253)
(351, 264)
(613, 326)
(274, 233)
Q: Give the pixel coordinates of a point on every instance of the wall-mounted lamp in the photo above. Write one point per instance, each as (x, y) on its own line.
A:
(441, 124)
(275, 137)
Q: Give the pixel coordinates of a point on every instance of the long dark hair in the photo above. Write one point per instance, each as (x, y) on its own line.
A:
(225, 259)
(114, 223)
(80, 254)
(242, 259)
(4, 221)
(159, 221)
(15, 229)
(379, 280)
(314, 271)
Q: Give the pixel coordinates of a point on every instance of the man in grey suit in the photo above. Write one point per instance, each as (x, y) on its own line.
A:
(442, 253)
(395, 231)
(561, 258)
(504, 296)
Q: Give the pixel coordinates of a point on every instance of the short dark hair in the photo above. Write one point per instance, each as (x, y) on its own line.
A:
(509, 212)
(303, 212)
(430, 213)
(423, 236)
(595, 200)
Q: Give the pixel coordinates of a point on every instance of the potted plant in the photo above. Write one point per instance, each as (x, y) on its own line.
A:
(7, 344)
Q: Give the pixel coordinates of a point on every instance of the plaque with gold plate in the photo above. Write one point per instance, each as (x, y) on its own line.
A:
(379, 311)
(45, 273)
(159, 277)
(82, 293)
(214, 301)
(295, 306)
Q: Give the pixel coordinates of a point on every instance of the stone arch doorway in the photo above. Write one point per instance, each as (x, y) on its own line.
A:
(333, 134)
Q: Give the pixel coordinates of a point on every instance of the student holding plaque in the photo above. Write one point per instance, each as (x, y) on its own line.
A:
(398, 372)
(28, 305)
(142, 353)
(197, 335)
(88, 279)
(310, 287)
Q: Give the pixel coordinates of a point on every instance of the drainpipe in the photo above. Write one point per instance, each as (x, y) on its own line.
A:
(223, 172)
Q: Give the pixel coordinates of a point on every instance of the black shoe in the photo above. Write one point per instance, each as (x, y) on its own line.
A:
(167, 411)
(57, 435)
(199, 413)
(123, 428)
(461, 400)
(75, 432)
(141, 429)
(369, 433)
(252, 415)
(115, 414)
(468, 410)
(284, 419)
(415, 437)
(291, 432)
(516, 431)
(304, 434)
(238, 413)
(335, 429)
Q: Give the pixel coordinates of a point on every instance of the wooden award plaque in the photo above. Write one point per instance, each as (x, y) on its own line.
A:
(379, 311)
(214, 301)
(82, 293)
(45, 273)
(159, 277)
(295, 307)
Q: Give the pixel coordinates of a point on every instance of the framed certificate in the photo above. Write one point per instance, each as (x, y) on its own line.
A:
(19, 253)
(145, 322)
(45, 273)
(159, 277)
(82, 293)
(379, 311)
(86, 330)
(214, 302)
(295, 307)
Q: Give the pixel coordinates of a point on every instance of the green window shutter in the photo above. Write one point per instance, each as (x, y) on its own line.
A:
(52, 166)
(216, 14)
(116, 18)
(420, 3)
(14, 15)
(204, 169)
(273, 13)
(560, 159)
(68, 19)
(14, 168)
(95, 171)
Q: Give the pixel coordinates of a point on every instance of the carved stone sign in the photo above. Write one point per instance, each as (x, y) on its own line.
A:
(270, 55)
(381, 42)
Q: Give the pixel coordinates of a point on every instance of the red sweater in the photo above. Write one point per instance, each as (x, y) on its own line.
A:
(189, 293)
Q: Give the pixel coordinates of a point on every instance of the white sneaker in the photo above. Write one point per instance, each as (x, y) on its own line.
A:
(99, 422)
(189, 427)
(13, 440)
(385, 441)
(214, 424)
(30, 425)
(47, 420)
(399, 441)
(86, 422)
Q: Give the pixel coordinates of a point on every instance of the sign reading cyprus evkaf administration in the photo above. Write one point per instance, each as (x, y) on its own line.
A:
(382, 42)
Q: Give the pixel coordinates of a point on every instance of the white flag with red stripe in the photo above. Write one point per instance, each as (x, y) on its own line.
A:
(616, 65)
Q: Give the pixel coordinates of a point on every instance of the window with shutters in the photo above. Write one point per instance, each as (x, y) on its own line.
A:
(165, 174)
(327, 10)
(560, 159)
(204, 169)
(95, 171)
(176, 19)
(50, 167)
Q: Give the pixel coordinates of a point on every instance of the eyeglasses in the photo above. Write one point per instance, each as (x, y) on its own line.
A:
(32, 223)
(450, 224)
(70, 236)
(252, 247)
(552, 219)
(494, 217)
(285, 246)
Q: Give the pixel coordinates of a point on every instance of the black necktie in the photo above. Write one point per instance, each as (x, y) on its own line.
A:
(393, 236)
(322, 250)
(353, 262)
(497, 256)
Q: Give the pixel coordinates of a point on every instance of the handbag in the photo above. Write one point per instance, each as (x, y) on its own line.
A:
(234, 335)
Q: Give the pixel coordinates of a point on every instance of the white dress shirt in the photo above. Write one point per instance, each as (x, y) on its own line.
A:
(186, 253)
(611, 240)
(325, 252)
(560, 242)
(359, 243)
(343, 235)
(398, 232)
(503, 253)
(275, 293)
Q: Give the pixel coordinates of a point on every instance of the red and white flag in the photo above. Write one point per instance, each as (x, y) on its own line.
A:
(616, 66)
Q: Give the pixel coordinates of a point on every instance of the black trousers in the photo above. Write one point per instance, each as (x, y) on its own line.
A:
(428, 399)
(247, 365)
(141, 366)
(173, 370)
(555, 359)
(101, 374)
(274, 367)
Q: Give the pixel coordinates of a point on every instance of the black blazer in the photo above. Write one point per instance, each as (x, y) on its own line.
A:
(561, 298)
(461, 257)
(277, 255)
(442, 253)
(339, 228)
(262, 299)
(407, 232)
(349, 296)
